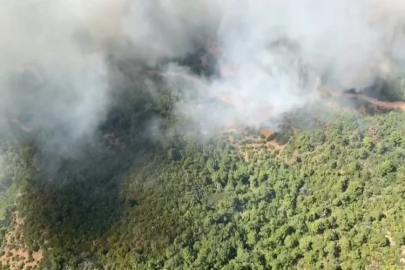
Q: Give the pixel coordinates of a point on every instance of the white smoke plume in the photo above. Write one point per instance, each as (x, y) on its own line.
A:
(47, 83)
(273, 56)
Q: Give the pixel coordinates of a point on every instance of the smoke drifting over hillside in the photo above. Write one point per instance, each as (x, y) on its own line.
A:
(272, 55)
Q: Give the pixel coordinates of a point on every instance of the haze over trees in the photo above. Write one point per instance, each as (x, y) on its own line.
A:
(210, 135)
(331, 197)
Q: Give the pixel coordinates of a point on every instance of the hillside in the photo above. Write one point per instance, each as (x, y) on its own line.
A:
(325, 191)
(202, 135)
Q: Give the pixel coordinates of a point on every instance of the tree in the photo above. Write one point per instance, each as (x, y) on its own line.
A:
(368, 142)
(385, 167)
(396, 138)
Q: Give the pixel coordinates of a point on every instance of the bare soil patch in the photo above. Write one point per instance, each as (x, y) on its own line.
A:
(391, 105)
(245, 143)
(15, 253)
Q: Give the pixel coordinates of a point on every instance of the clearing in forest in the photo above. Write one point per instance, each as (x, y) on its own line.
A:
(15, 253)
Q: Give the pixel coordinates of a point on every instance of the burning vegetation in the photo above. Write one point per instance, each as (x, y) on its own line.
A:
(169, 135)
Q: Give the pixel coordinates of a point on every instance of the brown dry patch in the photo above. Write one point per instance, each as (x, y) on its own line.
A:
(363, 110)
(267, 132)
(366, 101)
(276, 145)
(383, 104)
(256, 144)
(390, 105)
(16, 252)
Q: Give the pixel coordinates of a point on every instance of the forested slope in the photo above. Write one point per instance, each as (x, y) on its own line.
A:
(155, 190)
(202, 135)
(332, 198)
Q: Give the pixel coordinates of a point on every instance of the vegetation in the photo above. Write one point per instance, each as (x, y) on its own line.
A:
(331, 198)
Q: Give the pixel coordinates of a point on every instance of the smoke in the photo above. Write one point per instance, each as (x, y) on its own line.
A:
(274, 57)
(169, 29)
(271, 57)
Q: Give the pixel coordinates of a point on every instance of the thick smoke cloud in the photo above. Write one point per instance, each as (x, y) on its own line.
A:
(276, 56)
(272, 56)
(51, 85)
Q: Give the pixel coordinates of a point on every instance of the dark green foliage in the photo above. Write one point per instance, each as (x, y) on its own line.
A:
(331, 199)
(208, 209)
(284, 136)
(271, 137)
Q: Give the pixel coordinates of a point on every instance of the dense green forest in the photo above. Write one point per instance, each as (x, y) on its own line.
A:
(331, 196)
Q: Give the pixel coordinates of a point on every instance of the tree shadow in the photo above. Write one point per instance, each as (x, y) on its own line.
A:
(70, 204)
(67, 211)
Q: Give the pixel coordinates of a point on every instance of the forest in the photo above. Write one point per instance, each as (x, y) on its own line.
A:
(325, 191)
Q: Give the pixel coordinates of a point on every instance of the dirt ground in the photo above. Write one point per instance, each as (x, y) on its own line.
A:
(15, 252)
